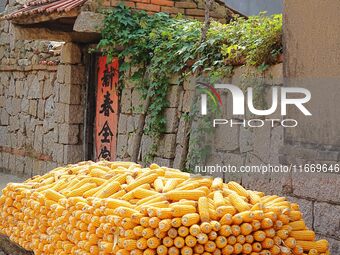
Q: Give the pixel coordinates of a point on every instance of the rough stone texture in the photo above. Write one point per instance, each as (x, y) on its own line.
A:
(327, 219)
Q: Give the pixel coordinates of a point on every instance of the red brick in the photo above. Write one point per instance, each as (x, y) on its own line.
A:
(185, 5)
(163, 2)
(194, 12)
(126, 3)
(141, 1)
(148, 7)
(106, 3)
(172, 10)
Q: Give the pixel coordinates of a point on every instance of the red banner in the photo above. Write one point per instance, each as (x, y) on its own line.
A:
(106, 109)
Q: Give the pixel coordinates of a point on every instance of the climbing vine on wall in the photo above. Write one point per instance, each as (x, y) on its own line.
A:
(158, 46)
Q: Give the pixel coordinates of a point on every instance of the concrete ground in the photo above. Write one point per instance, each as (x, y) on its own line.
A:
(6, 178)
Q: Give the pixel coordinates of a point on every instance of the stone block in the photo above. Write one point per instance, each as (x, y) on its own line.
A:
(41, 109)
(226, 138)
(16, 106)
(122, 123)
(48, 86)
(25, 105)
(188, 101)
(49, 139)
(58, 153)
(70, 94)
(73, 153)
(122, 143)
(171, 116)
(49, 109)
(137, 102)
(131, 124)
(307, 208)
(167, 146)
(75, 74)
(74, 114)
(61, 73)
(327, 219)
(68, 134)
(276, 142)
(180, 156)
(323, 187)
(35, 89)
(4, 117)
(183, 130)
(173, 95)
(89, 22)
(14, 123)
(70, 53)
(126, 104)
(146, 144)
(262, 142)
(33, 108)
(246, 139)
(38, 138)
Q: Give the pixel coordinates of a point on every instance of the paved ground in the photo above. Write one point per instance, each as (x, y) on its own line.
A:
(6, 178)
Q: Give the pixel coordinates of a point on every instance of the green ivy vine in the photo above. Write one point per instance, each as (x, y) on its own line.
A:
(153, 48)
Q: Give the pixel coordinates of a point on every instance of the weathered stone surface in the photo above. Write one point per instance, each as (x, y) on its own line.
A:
(58, 153)
(171, 116)
(188, 99)
(73, 153)
(167, 146)
(122, 123)
(75, 74)
(70, 53)
(70, 94)
(262, 142)
(122, 143)
(126, 105)
(74, 114)
(35, 89)
(183, 130)
(226, 138)
(33, 108)
(89, 22)
(4, 117)
(68, 134)
(322, 187)
(173, 95)
(41, 109)
(180, 156)
(38, 139)
(326, 219)
(246, 139)
(137, 102)
(276, 142)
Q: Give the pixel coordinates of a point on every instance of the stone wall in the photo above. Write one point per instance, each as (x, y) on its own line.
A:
(41, 104)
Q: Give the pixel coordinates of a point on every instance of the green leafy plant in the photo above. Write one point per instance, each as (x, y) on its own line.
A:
(153, 48)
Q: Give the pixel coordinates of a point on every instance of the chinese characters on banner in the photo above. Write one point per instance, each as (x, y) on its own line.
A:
(106, 109)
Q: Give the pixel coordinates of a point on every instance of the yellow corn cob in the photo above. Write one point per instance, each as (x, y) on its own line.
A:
(145, 179)
(176, 174)
(53, 195)
(298, 225)
(239, 203)
(143, 193)
(81, 190)
(108, 190)
(238, 189)
(115, 203)
(217, 183)
(175, 195)
(190, 219)
(203, 209)
(171, 184)
(218, 199)
(158, 185)
(321, 246)
(180, 210)
(303, 235)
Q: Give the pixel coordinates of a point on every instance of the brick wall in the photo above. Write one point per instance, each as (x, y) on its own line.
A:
(189, 8)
